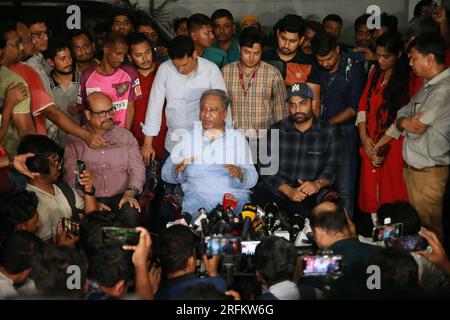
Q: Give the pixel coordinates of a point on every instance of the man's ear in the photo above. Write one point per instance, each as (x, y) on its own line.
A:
(51, 63)
(195, 55)
(301, 41)
(119, 288)
(193, 35)
(338, 49)
(88, 115)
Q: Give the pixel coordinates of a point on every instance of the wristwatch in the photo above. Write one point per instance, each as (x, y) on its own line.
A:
(11, 161)
(319, 183)
(397, 125)
(89, 193)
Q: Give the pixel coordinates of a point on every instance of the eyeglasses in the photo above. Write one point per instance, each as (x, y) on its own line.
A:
(42, 34)
(104, 114)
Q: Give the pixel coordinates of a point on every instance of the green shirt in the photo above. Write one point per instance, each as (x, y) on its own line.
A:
(218, 56)
(233, 53)
(12, 137)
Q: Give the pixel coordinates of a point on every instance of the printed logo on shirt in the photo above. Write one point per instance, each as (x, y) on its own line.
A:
(121, 88)
(137, 90)
(120, 105)
(136, 83)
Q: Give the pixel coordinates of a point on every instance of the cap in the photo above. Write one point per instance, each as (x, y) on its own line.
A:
(249, 19)
(300, 90)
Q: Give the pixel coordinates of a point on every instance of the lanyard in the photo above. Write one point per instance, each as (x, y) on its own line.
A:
(241, 79)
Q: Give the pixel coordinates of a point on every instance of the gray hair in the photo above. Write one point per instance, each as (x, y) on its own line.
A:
(218, 93)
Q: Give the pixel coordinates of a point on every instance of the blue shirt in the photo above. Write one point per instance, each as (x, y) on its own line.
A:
(342, 89)
(206, 180)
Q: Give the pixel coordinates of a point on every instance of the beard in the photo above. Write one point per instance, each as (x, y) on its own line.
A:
(64, 71)
(300, 117)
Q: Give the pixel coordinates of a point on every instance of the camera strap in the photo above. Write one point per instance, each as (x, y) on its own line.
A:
(70, 196)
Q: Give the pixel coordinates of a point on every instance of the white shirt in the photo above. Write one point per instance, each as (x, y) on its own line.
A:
(51, 208)
(7, 289)
(182, 94)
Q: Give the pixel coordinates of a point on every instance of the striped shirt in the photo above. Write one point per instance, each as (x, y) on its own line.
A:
(265, 101)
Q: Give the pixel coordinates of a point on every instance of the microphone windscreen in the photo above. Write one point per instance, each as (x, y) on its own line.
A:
(229, 201)
(249, 210)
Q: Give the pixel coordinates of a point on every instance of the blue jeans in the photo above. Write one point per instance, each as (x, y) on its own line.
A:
(346, 176)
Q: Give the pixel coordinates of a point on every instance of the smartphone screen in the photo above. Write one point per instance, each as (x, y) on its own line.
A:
(388, 233)
(321, 265)
(71, 226)
(223, 246)
(120, 236)
(249, 247)
(81, 166)
(414, 243)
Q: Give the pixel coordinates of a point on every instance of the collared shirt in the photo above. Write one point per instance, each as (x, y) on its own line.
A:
(433, 146)
(38, 63)
(216, 55)
(310, 155)
(233, 53)
(115, 168)
(206, 180)
(63, 97)
(182, 95)
(341, 89)
(285, 290)
(303, 68)
(264, 102)
(12, 138)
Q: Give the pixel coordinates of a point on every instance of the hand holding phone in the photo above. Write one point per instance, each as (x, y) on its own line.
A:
(81, 166)
(414, 243)
(120, 236)
(71, 226)
(321, 265)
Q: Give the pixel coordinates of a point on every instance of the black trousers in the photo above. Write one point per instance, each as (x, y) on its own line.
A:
(128, 216)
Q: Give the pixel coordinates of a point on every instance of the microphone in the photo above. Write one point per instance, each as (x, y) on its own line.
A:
(270, 208)
(201, 215)
(297, 220)
(280, 221)
(229, 204)
(248, 214)
(187, 217)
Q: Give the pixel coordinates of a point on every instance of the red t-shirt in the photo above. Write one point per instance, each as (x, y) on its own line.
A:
(140, 107)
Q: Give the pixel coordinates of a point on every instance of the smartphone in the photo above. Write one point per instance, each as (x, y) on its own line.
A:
(389, 233)
(414, 243)
(120, 236)
(320, 265)
(249, 247)
(71, 226)
(81, 166)
(223, 246)
(39, 165)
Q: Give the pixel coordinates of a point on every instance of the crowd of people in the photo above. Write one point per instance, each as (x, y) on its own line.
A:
(94, 127)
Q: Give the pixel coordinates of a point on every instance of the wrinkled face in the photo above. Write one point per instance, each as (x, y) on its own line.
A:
(13, 49)
(150, 33)
(115, 54)
(363, 37)
(333, 27)
(250, 57)
(122, 24)
(306, 44)
(212, 113)
(330, 60)
(288, 42)
(300, 109)
(62, 63)
(203, 36)
(39, 36)
(82, 48)
(223, 29)
(386, 59)
(141, 55)
(419, 62)
(186, 65)
(182, 30)
(25, 39)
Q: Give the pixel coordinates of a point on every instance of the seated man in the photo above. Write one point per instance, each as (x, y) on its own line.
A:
(302, 161)
(176, 253)
(276, 260)
(118, 169)
(211, 160)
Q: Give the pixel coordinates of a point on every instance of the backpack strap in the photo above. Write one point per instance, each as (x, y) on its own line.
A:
(70, 196)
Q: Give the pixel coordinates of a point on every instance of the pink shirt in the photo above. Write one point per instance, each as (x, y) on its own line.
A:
(122, 86)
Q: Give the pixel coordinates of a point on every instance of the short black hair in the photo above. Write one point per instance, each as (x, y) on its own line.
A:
(55, 45)
(5, 27)
(430, 43)
(17, 253)
(292, 23)
(17, 207)
(146, 21)
(314, 25)
(180, 47)
(79, 32)
(203, 291)
(249, 36)
(49, 271)
(332, 17)
(275, 259)
(221, 13)
(41, 145)
(197, 21)
(421, 26)
(33, 19)
(111, 264)
(361, 21)
(323, 43)
(136, 38)
(123, 12)
(400, 212)
(176, 246)
(178, 21)
(331, 220)
(115, 37)
(389, 21)
(420, 5)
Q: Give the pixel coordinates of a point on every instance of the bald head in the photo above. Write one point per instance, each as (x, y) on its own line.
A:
(100, 112)
(325, 206)
(330, 217)
(98, 101)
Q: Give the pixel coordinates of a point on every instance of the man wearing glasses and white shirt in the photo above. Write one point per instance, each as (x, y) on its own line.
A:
(180, 81)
